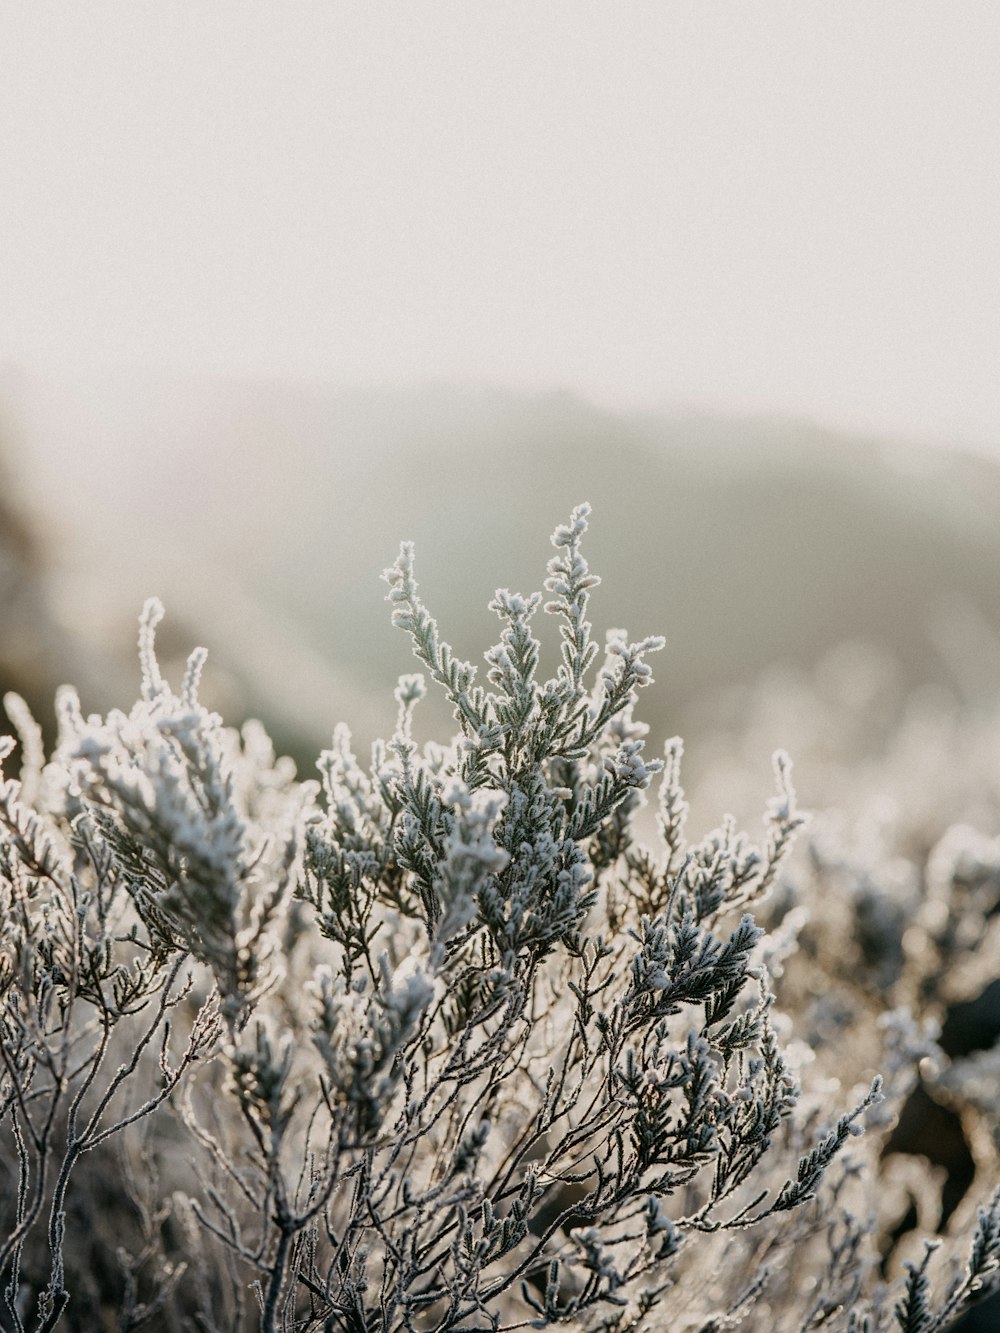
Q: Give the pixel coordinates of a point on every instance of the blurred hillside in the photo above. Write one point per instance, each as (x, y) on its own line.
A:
(264, 514)
(33, 644)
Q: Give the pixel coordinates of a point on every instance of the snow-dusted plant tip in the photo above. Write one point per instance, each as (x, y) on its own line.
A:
(432, 1044)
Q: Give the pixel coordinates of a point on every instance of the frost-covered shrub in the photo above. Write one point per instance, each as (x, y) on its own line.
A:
(433, 1043)
(891, 923)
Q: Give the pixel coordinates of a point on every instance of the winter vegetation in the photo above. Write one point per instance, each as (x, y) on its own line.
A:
(437, 1042)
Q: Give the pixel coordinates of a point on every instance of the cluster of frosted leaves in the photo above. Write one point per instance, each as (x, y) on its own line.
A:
(204, 823)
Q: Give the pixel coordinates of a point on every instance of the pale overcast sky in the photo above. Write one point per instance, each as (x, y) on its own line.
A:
(788, 207)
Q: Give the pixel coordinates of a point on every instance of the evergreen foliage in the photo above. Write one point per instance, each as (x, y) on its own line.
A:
(432, 1043)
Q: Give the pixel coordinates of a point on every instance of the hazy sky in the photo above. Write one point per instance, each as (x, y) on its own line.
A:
(781, 206)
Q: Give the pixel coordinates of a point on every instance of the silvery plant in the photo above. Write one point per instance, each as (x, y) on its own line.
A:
(432, 1043)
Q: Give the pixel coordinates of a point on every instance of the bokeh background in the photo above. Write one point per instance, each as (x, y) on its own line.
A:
(285, 284)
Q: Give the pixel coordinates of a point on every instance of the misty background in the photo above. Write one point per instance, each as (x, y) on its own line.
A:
(283, 286)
